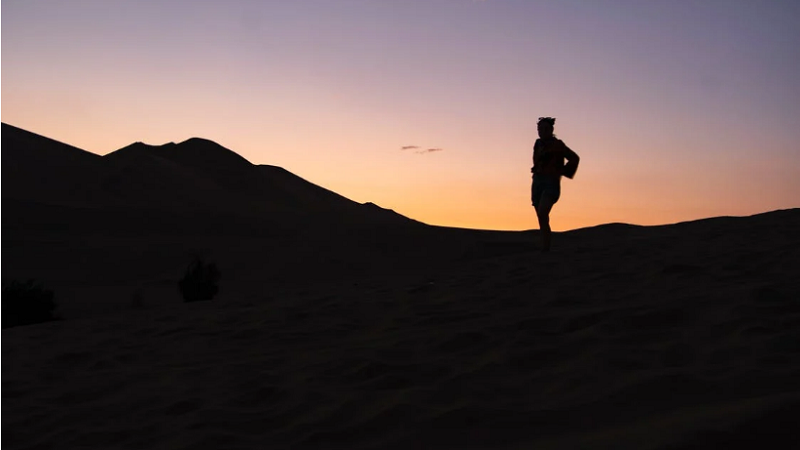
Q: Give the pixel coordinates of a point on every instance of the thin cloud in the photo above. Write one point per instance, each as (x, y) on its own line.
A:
(430, 150)
(409, 147)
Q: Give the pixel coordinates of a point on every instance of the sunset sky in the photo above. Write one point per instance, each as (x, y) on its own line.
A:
(679, 109)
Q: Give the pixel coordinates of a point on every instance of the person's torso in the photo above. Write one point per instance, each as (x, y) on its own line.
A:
(549, 159)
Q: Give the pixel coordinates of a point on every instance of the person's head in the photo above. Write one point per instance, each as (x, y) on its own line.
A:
(545, 126)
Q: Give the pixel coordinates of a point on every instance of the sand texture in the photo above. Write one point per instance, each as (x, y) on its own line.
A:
(681, 336)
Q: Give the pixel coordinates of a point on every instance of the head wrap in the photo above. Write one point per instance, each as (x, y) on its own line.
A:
(548, 121)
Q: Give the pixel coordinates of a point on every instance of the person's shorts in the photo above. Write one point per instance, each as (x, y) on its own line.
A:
(543, 185)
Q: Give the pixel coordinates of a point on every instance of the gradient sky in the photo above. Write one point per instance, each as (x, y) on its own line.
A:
(680, 109)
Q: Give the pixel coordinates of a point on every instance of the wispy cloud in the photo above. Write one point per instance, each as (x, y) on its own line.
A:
(430, 150)
(421, 151)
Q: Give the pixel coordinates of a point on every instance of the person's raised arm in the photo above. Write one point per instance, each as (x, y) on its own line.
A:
(570, 155)
(572, 162)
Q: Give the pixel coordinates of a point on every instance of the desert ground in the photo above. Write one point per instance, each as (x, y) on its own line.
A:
(347, 326)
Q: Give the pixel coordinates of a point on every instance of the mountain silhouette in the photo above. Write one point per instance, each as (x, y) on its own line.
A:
(195, 152)
(196, 176)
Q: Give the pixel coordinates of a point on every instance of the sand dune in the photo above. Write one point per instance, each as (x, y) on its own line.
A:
(665, 340)
(402, 335)
(195, 176)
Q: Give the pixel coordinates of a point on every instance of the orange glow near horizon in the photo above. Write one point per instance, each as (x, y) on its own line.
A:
(429, 190)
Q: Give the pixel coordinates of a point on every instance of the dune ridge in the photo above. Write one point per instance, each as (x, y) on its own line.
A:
(197, 177)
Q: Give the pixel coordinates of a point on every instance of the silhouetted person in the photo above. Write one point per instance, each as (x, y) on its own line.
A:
(549, 154)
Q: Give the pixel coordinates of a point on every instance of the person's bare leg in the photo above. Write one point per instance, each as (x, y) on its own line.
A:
(543, 213)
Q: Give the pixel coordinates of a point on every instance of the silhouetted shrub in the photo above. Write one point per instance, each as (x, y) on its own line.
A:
(199, 282)
(27, 303)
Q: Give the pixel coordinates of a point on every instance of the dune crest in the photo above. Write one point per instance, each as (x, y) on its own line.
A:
(196, 176)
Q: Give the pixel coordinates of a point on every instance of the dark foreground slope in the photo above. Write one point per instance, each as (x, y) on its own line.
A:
(681, 336)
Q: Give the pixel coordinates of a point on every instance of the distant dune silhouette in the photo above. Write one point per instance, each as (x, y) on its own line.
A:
(196, 175)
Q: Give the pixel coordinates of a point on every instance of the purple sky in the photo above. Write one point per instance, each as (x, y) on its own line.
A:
(679, 109)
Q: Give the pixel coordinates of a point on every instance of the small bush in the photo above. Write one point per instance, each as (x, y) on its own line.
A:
(199, 283)
(27, 303)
